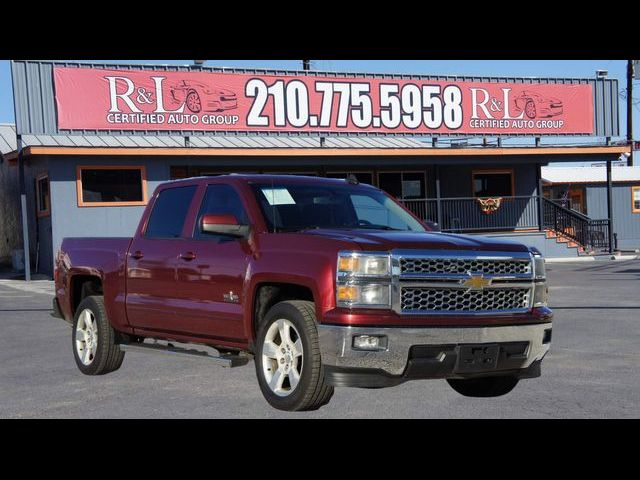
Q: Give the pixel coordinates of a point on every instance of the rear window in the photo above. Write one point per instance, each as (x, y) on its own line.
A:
(170, 212)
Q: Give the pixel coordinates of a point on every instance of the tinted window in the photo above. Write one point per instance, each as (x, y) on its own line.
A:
(111, 185)
(221, 200)
(169, 212)
(297, 207)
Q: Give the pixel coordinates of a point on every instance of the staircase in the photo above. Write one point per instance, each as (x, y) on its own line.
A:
(576, 230)
(563, 239)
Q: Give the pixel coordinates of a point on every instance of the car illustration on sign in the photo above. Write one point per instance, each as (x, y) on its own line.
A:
(201, 97)
(536, 105)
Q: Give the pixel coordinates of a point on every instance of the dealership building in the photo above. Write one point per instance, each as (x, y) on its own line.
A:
(91, 143)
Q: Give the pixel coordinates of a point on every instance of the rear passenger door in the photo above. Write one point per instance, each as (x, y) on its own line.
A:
(151, 265)
(212, 269)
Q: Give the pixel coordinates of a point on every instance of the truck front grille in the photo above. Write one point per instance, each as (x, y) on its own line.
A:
(461, 266)
(419, 299)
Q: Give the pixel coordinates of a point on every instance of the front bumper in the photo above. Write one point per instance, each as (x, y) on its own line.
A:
(414, 353)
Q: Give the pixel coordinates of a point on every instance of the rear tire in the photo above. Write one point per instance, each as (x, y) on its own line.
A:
(484, 387)
(291, 365)
(93, 339)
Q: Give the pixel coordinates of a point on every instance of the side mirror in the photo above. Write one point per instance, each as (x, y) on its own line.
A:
(433, 226)
(223, 224)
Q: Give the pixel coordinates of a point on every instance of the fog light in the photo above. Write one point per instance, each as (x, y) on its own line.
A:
(370, 342)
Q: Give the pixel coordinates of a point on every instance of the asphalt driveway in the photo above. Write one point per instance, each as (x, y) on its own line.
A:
(592, 370)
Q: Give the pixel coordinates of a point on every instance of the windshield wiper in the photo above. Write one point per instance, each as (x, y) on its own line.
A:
(379, 227)
(296, 229)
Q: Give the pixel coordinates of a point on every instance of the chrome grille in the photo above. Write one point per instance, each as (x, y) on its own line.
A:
(462, 300)
(461, 266)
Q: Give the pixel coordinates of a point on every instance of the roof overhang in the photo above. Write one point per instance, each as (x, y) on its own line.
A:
(265, 152)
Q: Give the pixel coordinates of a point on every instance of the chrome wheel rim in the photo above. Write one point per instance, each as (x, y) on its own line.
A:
(86, 337)
(282, 357)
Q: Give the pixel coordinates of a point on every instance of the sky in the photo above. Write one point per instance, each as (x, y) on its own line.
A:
(518, 68)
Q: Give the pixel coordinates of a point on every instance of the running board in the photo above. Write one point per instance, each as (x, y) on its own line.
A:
(224, 360)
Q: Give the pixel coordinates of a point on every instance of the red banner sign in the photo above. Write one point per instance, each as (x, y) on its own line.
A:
(99, 99)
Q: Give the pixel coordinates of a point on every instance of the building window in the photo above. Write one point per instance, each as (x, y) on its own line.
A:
(635, 199)
(111, 186)
(404, 185)
(43, 198)
(492, 183)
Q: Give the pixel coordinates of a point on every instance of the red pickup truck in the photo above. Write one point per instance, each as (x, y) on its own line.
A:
(323, 282)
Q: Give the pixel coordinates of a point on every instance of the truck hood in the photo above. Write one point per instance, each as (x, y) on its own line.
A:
(389, 240)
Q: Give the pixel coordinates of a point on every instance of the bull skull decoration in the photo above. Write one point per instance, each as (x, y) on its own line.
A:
(489, 205)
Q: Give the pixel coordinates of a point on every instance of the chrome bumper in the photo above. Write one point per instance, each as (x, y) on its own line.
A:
(336, 343)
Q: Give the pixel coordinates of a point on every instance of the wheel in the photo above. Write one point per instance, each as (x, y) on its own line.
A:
(484, 387)
(93, 339)
(288, 363)
(193, 102)
(530, 109)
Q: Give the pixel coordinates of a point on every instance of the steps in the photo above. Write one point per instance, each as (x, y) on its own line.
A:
(563, 239)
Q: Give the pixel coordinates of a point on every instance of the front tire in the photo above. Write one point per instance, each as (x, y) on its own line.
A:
(288, 363)
(93, 339)
(484, 387)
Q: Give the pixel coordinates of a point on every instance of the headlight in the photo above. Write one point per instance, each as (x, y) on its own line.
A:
(363, 280)
(538, 267)
(540, 289)
(540, 294)
(371, 295)
(354, 263)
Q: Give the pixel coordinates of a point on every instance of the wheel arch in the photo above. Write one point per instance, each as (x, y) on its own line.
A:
(81, 285)
(267, 293)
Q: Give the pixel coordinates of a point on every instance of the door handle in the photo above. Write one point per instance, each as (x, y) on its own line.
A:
(137, 255)
(188, 256)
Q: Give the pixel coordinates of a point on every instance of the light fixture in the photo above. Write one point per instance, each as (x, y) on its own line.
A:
(602, 73)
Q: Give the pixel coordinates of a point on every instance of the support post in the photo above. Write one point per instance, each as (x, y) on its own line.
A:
(630, 111)
(539, 192)
(438, 201)
(609, 205)
(23, 207)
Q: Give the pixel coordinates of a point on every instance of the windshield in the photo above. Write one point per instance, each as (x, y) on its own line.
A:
(294, 207)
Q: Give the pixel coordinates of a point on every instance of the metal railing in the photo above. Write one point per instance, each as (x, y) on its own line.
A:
(465, 214)
(590, 233)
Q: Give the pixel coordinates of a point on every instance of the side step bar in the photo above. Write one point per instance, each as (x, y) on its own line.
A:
(224, 360)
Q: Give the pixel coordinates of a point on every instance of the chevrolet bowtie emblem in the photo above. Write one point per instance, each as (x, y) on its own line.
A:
(476, 282)
(231, 297)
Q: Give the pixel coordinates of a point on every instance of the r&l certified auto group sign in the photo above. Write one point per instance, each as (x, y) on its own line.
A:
(103, 99)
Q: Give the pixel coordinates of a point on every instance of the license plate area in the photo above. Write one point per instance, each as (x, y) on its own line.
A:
(477, 358)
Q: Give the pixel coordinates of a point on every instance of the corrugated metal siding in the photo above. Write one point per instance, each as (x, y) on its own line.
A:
(626, 224)
(35, 101)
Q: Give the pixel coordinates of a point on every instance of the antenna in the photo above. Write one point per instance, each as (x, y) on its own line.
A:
(273, 205)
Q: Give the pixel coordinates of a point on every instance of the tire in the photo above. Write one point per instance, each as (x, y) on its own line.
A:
(102, 355)
(309, 392)
(530, 109)
(484, 387)
(193, 102)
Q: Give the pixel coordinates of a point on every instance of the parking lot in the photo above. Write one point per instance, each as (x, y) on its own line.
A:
(592, 370)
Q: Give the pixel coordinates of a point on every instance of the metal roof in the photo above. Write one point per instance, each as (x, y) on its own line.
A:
(589, 174)
(8, 141)
(7, 138)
